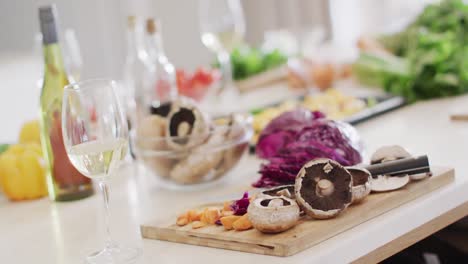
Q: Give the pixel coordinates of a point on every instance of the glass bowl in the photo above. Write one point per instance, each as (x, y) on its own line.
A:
(221, 149)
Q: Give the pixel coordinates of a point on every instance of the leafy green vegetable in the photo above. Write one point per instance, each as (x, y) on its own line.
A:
(431, 55)
(257, 111)
(247, 61)
(4, 147)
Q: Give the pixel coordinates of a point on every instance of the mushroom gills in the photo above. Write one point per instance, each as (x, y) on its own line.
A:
(323, 188)
(187, 126)
(275, 202)
(161, 109)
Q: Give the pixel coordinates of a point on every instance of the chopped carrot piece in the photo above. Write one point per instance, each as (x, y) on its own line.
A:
(242, 223)
(227, 221)
(198, 224)
(227, 206)
(193, 215)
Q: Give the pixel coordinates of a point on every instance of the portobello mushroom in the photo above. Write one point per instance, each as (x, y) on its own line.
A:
(323, 188)
(270, 214)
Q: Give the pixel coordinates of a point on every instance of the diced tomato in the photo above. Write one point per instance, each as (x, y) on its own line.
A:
(203, 76)
(181, 78)
(196, 85)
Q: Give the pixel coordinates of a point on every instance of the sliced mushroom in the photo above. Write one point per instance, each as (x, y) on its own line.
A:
(187, 126)
(419, 176)
(394, 152)
(232, 130)
(284, 190)
(194, 168)
(199, 162)
(388, 183)
(150, 138)
(361, 183)
(270, 214)
(162, 110)
(323, 188)
(389, 153)
(151, 132)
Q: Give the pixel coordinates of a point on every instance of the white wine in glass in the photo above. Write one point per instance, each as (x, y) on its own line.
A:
(95, 135)
(222, 28)
(223, 40)
(98, 159)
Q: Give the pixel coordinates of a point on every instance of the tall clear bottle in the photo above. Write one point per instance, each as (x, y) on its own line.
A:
(64, 181)
(166, 86)
(139, 73)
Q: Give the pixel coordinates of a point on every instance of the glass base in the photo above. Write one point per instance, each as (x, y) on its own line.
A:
(114, 255)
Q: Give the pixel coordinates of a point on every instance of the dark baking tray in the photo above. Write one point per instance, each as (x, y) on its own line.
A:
(383, 104)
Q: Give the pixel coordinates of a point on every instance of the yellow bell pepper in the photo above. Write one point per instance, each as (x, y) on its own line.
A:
(22, 172)
(30, 132)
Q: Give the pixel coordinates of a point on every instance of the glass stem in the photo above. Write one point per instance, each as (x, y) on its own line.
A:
(224, 59)
(105, 195)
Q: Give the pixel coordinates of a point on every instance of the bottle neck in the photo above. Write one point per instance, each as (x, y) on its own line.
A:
(53, 60)
(155, 45)
(134, 42)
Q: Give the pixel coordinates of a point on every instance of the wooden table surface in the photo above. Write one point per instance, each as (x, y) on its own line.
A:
(45, 232)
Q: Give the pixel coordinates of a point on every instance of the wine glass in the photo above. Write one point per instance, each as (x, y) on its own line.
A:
(95, 135)
(222, 28)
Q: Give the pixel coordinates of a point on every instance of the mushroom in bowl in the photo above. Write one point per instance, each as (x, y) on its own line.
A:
(194, 157)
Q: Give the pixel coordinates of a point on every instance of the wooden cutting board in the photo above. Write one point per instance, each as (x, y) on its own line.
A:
(307, 233)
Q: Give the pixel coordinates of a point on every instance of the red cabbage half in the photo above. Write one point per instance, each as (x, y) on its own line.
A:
(296, 137)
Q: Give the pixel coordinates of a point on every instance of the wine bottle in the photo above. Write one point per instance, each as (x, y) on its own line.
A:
(166, 87)
(64, 181)
(139, 73)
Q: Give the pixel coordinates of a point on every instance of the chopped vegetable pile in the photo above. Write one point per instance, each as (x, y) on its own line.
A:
(296, 137)
(232, 215)
(428, 59)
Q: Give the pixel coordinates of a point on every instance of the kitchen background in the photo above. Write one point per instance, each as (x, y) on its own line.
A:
(100, 25)
(100, 30)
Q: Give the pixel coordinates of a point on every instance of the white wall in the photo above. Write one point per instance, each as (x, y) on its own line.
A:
(100, 24)
(100, 27)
